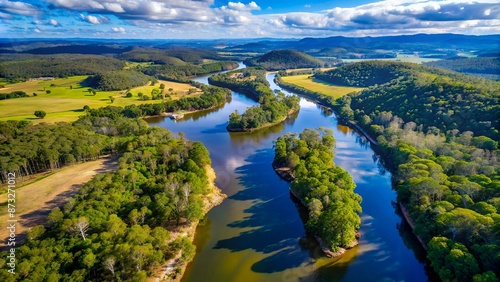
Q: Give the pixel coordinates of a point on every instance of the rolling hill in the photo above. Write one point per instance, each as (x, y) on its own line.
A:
(284, 59)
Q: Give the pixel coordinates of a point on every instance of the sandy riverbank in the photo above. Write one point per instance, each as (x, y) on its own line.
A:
(174, 268)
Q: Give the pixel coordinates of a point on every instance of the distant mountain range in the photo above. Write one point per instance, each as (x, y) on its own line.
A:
(417, 42)
(437, 43)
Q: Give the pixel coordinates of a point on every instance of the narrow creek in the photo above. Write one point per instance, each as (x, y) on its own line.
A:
(258, 234)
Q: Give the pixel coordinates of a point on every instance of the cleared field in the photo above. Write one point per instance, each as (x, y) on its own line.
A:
(35, 200)
(319, 86)
(132, 65)
(67, 98)
(308, 69)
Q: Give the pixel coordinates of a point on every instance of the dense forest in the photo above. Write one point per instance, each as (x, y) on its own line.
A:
(211, 97)
(169, 56)
(177, 64)
(109, 72)
(57, 66)
(352, 53)
(252, 81)
(117, 227)
(325, 189)
(439, 131)
(182, 72)
(365, 74)
(427, 96)
(487, 65)
(284, 59)
(116, 80)
(27, 150)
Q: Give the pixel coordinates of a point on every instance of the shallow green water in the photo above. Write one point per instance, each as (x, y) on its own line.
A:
(257, 233)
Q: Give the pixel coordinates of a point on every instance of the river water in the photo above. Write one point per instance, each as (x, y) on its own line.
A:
(258, 234)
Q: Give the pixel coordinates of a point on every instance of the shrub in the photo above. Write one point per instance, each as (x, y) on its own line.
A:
(40, 114)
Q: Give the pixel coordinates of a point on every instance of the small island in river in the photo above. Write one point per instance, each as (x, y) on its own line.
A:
(273, 109)
(306, 160)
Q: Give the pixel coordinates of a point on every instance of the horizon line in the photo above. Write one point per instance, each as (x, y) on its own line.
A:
(245, 38)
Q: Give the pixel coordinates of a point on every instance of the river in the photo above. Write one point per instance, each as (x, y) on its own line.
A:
(258, 234)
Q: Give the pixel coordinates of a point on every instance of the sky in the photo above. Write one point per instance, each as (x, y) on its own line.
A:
(212, 19)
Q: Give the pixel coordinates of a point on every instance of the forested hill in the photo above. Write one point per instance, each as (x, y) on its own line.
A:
(171, 64)
(117, 80)
(174, 56)
(252, 81)
(118, 227)
(487, 65)
(284, 59)
(427, 96)
(364, 74)
(429, 125)
(62, 65)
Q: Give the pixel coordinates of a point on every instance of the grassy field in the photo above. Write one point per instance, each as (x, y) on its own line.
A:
(67, 98)
(307, 69)
(319, 86)
(133, 65)
(35, 200)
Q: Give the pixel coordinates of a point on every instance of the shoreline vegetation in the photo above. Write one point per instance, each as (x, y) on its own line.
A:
(28, 172)
(173, 241)
(445, 167)
(269, 124)
(286, 174)
(272, 109)
(212, 97)
(324, 101)
(113, 87)
(327, 191)
(174, 268)
(125, 224)
(182, 112)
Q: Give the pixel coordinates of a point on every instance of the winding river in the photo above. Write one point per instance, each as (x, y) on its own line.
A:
(258, 234)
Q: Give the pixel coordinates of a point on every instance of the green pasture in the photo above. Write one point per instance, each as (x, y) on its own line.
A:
(133, 65)
(319, 86)
(67, 98)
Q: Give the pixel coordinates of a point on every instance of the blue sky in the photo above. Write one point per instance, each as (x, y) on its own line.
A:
(204, 19)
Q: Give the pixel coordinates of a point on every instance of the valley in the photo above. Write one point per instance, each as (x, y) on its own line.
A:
(363, 131)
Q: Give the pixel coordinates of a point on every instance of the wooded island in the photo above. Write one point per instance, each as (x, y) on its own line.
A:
(439, 132)
(327, 190)
(273, 109)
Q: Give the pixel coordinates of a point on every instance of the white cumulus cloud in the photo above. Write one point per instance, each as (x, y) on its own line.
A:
(242, 7)
(94, 19)
(398, 15)
(239, 18)
(53, 22)
(118, 29)
(10, 8)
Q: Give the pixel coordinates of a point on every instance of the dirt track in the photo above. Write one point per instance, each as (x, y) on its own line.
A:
(35, 200)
